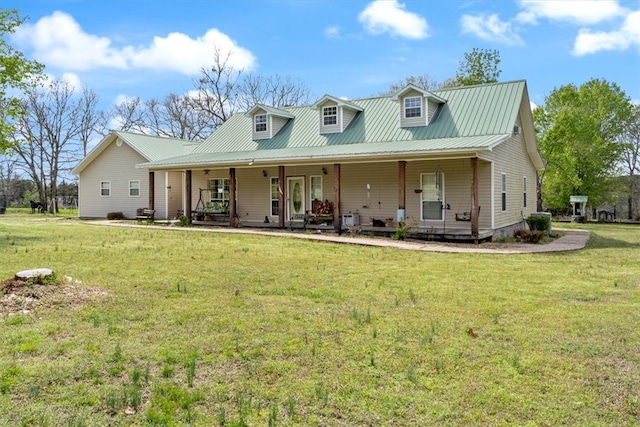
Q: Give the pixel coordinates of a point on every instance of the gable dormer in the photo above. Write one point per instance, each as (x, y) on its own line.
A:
(417, 106)
(267, 121)
(335, 114)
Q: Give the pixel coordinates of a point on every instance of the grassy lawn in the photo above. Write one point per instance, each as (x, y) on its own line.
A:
(181, 327)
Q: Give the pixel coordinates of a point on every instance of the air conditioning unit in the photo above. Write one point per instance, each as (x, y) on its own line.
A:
(351, 220)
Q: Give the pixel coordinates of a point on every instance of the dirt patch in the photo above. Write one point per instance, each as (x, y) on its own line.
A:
(19, 296)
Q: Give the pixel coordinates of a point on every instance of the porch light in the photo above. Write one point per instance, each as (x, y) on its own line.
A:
(264, 173)
(324, 171)
(206, 171)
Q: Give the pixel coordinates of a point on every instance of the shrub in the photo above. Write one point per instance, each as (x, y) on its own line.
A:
(539, 222)
(184, 221)
(115, 215)
(529, 236)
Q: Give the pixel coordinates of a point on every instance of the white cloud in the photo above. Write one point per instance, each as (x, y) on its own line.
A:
(628, 35)
(332, 32)
(390, 16)
(578, 11)
(490, 28)
(59, 41)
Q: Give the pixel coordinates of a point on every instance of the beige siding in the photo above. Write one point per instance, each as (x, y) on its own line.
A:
(432, 108)
(413, 121)
(347, 117)
(371, 190)
(117, 165)
(512, 159)
(173, 194)
(260, 135)
(330, 128)
(276, 124)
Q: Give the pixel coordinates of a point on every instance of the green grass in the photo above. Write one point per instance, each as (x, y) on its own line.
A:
(221, 329)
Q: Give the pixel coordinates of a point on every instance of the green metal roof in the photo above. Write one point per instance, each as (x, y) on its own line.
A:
(473, 118)
(152, 148)
(156, 147)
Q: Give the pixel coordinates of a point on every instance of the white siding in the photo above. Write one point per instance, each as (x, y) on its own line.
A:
(117, 165)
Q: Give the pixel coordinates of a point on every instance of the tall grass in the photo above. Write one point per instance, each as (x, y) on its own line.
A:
(253, 330)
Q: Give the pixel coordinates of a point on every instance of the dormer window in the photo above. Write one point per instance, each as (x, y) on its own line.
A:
(413, 107)
(260, 123)
(330, 115)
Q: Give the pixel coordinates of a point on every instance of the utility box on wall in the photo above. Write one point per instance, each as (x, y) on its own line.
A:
(351, 219)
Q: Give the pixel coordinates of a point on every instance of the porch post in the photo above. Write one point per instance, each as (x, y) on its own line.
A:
(233, 215)
(187, 190)
(475, 210)
(337, 218)
(402, 179)
(281, 198)
(152, 190)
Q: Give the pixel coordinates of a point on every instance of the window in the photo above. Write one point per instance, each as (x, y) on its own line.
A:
(219, 188)
(504, 192)
(412, 107)
(134, 188)
(524, 192)
(275, 196)
(330, 116)
(260, 122)
(432, 196)
(105, 188)
(315, 189)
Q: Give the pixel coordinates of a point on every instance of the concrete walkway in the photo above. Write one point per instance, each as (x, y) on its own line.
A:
(571, 240)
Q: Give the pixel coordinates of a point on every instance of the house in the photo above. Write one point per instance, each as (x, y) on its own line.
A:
(458, 162)
(109, 180)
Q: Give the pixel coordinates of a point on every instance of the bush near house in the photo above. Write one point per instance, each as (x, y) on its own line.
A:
(539, 222)
(115, 215)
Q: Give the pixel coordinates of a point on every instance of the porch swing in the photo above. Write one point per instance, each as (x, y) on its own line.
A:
(210, 211)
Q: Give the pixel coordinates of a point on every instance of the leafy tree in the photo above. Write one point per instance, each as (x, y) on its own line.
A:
(16, 74)
(578, 129)
(479, 66)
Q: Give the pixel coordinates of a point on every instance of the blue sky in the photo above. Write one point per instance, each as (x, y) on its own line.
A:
(352, 49)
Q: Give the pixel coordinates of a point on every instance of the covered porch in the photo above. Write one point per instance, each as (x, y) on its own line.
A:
(441, 197)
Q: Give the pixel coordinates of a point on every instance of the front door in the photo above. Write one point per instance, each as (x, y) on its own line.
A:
(295, 198)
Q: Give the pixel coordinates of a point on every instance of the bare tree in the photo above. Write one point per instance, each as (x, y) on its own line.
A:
(275, 91)
(92, 122)
(216, 87)
(178, 116)
(50, 136)
(8, 177)
(130, 115)
(630, 141)
(424, 81)
(220, 91)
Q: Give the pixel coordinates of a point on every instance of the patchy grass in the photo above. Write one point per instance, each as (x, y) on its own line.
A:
(223, 329)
